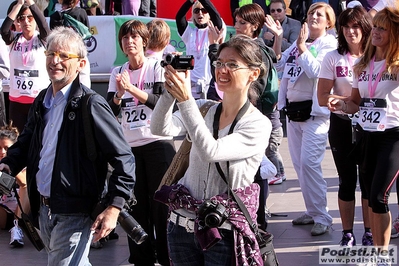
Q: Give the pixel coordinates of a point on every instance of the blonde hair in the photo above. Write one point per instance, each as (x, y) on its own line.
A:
(329, 12)
(387, 18)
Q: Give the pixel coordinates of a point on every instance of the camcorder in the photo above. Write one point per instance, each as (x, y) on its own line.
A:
(126, 221)
(7, 183)
(212, 214)
(179, 62)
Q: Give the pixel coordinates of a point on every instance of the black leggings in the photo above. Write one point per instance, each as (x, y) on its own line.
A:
(380, 166)
(342, 148)
(18, 113)
(152, 161)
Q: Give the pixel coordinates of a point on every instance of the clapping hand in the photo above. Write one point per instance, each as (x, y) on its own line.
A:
(273, 25)
(215, 35)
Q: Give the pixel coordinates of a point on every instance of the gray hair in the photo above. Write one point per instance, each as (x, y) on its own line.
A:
(68, 39)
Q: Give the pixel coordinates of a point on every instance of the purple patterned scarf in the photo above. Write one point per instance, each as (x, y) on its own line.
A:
(247, 249)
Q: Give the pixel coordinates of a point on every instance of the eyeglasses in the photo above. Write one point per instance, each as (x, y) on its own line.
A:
(379, 29)
(279, 10)
(62, 56)
(23, 17)
(229, 65)
(197, 10)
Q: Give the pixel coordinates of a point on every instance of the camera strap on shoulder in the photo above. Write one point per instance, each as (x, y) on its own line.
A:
(243, 110)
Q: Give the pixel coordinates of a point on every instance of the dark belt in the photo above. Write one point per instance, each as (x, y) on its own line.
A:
(45, 201)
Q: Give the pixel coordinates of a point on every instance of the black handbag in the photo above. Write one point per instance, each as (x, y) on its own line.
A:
(298, 111)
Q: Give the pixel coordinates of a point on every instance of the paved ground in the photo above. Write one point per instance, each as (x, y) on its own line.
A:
(294, 244)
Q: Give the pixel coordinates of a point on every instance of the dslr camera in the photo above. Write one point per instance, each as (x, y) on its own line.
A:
(7, 182)
(127, 222)
(212, 214)
(179, 62)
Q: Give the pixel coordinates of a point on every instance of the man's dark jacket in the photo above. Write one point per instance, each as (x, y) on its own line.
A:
(77, 182)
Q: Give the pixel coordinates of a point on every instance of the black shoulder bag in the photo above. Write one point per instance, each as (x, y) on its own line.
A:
(264, 239)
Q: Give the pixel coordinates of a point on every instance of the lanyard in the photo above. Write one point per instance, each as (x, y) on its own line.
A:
(372, 87)
(140, 83)
(25, 55)
(199, 44)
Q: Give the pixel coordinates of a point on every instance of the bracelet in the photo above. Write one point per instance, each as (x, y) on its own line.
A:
(116, 96)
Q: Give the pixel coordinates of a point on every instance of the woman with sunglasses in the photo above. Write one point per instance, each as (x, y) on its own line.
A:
(335, 80)
(307, 122)
(232, 135)
(375, 94)
(197, 41)
(27, 60)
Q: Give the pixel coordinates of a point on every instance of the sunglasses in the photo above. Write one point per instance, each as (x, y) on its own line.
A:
(197, 10)
(24, 17)
(62, 56)
(279, 10)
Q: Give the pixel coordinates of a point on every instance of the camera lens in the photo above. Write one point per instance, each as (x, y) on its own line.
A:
(212, 220)
(169, 58)
(132, 227)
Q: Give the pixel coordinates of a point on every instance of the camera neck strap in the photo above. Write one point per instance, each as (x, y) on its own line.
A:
(241, 205)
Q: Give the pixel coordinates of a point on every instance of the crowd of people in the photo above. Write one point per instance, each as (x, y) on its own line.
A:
(337, 78)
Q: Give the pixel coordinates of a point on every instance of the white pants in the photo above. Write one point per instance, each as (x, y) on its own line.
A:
(307, 144)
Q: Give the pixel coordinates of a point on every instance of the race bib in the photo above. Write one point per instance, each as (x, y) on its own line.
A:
(26, 82)
(354, 118)
(134, 117)
(372, 114)
(292, 72)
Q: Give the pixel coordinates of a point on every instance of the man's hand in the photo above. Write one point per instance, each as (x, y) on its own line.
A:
(105, 223)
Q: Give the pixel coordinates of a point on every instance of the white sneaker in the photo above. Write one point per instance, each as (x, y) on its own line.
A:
(275, 180)
(283, 177)
(395, 228)
(17, 236)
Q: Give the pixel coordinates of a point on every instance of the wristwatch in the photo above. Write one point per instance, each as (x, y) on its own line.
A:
(116, 96)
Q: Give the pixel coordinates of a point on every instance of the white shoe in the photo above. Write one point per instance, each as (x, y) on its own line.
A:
(275, 180)
(17, 236)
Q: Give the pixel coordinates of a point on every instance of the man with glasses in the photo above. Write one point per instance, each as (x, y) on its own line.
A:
(291, 27)
(64, 181)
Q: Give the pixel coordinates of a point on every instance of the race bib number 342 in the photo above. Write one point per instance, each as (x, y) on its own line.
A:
(372, 114)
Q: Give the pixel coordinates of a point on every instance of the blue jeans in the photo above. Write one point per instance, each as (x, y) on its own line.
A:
(67, 237)
(184, 249)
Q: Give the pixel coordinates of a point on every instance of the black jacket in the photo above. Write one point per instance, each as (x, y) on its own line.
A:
(77, 182)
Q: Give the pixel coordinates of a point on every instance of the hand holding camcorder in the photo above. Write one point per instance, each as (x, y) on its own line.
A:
(179, 62)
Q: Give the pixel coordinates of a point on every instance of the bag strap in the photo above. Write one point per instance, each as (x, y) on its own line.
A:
(241, 205)
(88, 130)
